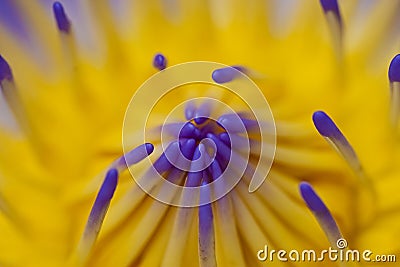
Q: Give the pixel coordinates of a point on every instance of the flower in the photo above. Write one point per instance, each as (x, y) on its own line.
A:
(68, 72)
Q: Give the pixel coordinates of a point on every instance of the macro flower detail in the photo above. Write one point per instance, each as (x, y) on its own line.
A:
(63, 23)
(203, 140)
(328, 129)
(321, 212)
(208, 173)
(160, 62)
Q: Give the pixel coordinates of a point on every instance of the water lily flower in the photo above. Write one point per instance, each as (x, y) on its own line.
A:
(286, 140)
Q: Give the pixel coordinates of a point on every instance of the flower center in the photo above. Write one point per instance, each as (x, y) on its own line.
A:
(212, 139)
(211, 126)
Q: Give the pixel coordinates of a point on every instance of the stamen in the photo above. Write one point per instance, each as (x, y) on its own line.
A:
(188, 147)
(227, 156)
(331, 6)
(235, 124)
(366, 192)
(194, 177)
(69, 45)
(162, 164)
(180, 233)
(328, 129)
(242, 143)
(179, 236)
(190, 110)
(7, 84)
(174, 252)
(215, 172)
(189, 131)
(206, 230)
(160, 61)
(176, 130)
(202, 113)
(132, 157)
(5, 71)
(223, 151)
(8, 90)
(180, 159)
(394, 78)
(335, 23)
(228, 74)
(394, 69)
(223, 216)
(224, 137)
(103, 199)
(321, 213)
(174, 176)
(97, 214)
(62, 20)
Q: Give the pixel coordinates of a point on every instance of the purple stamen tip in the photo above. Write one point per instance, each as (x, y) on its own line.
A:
(325, 125)
(225, 138)
(108, 187)
(222, 150)
(225, 75)
(330, 5)
(200, 120)
(149, 148)
(215, 170)
(5, 70)
(311, 198)
(188, 131)
(239, 68)
(62, 20)
(163, 164)
(160, 61)
(136, 155)
(187, 147)
(197, 153)
(394, 69)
